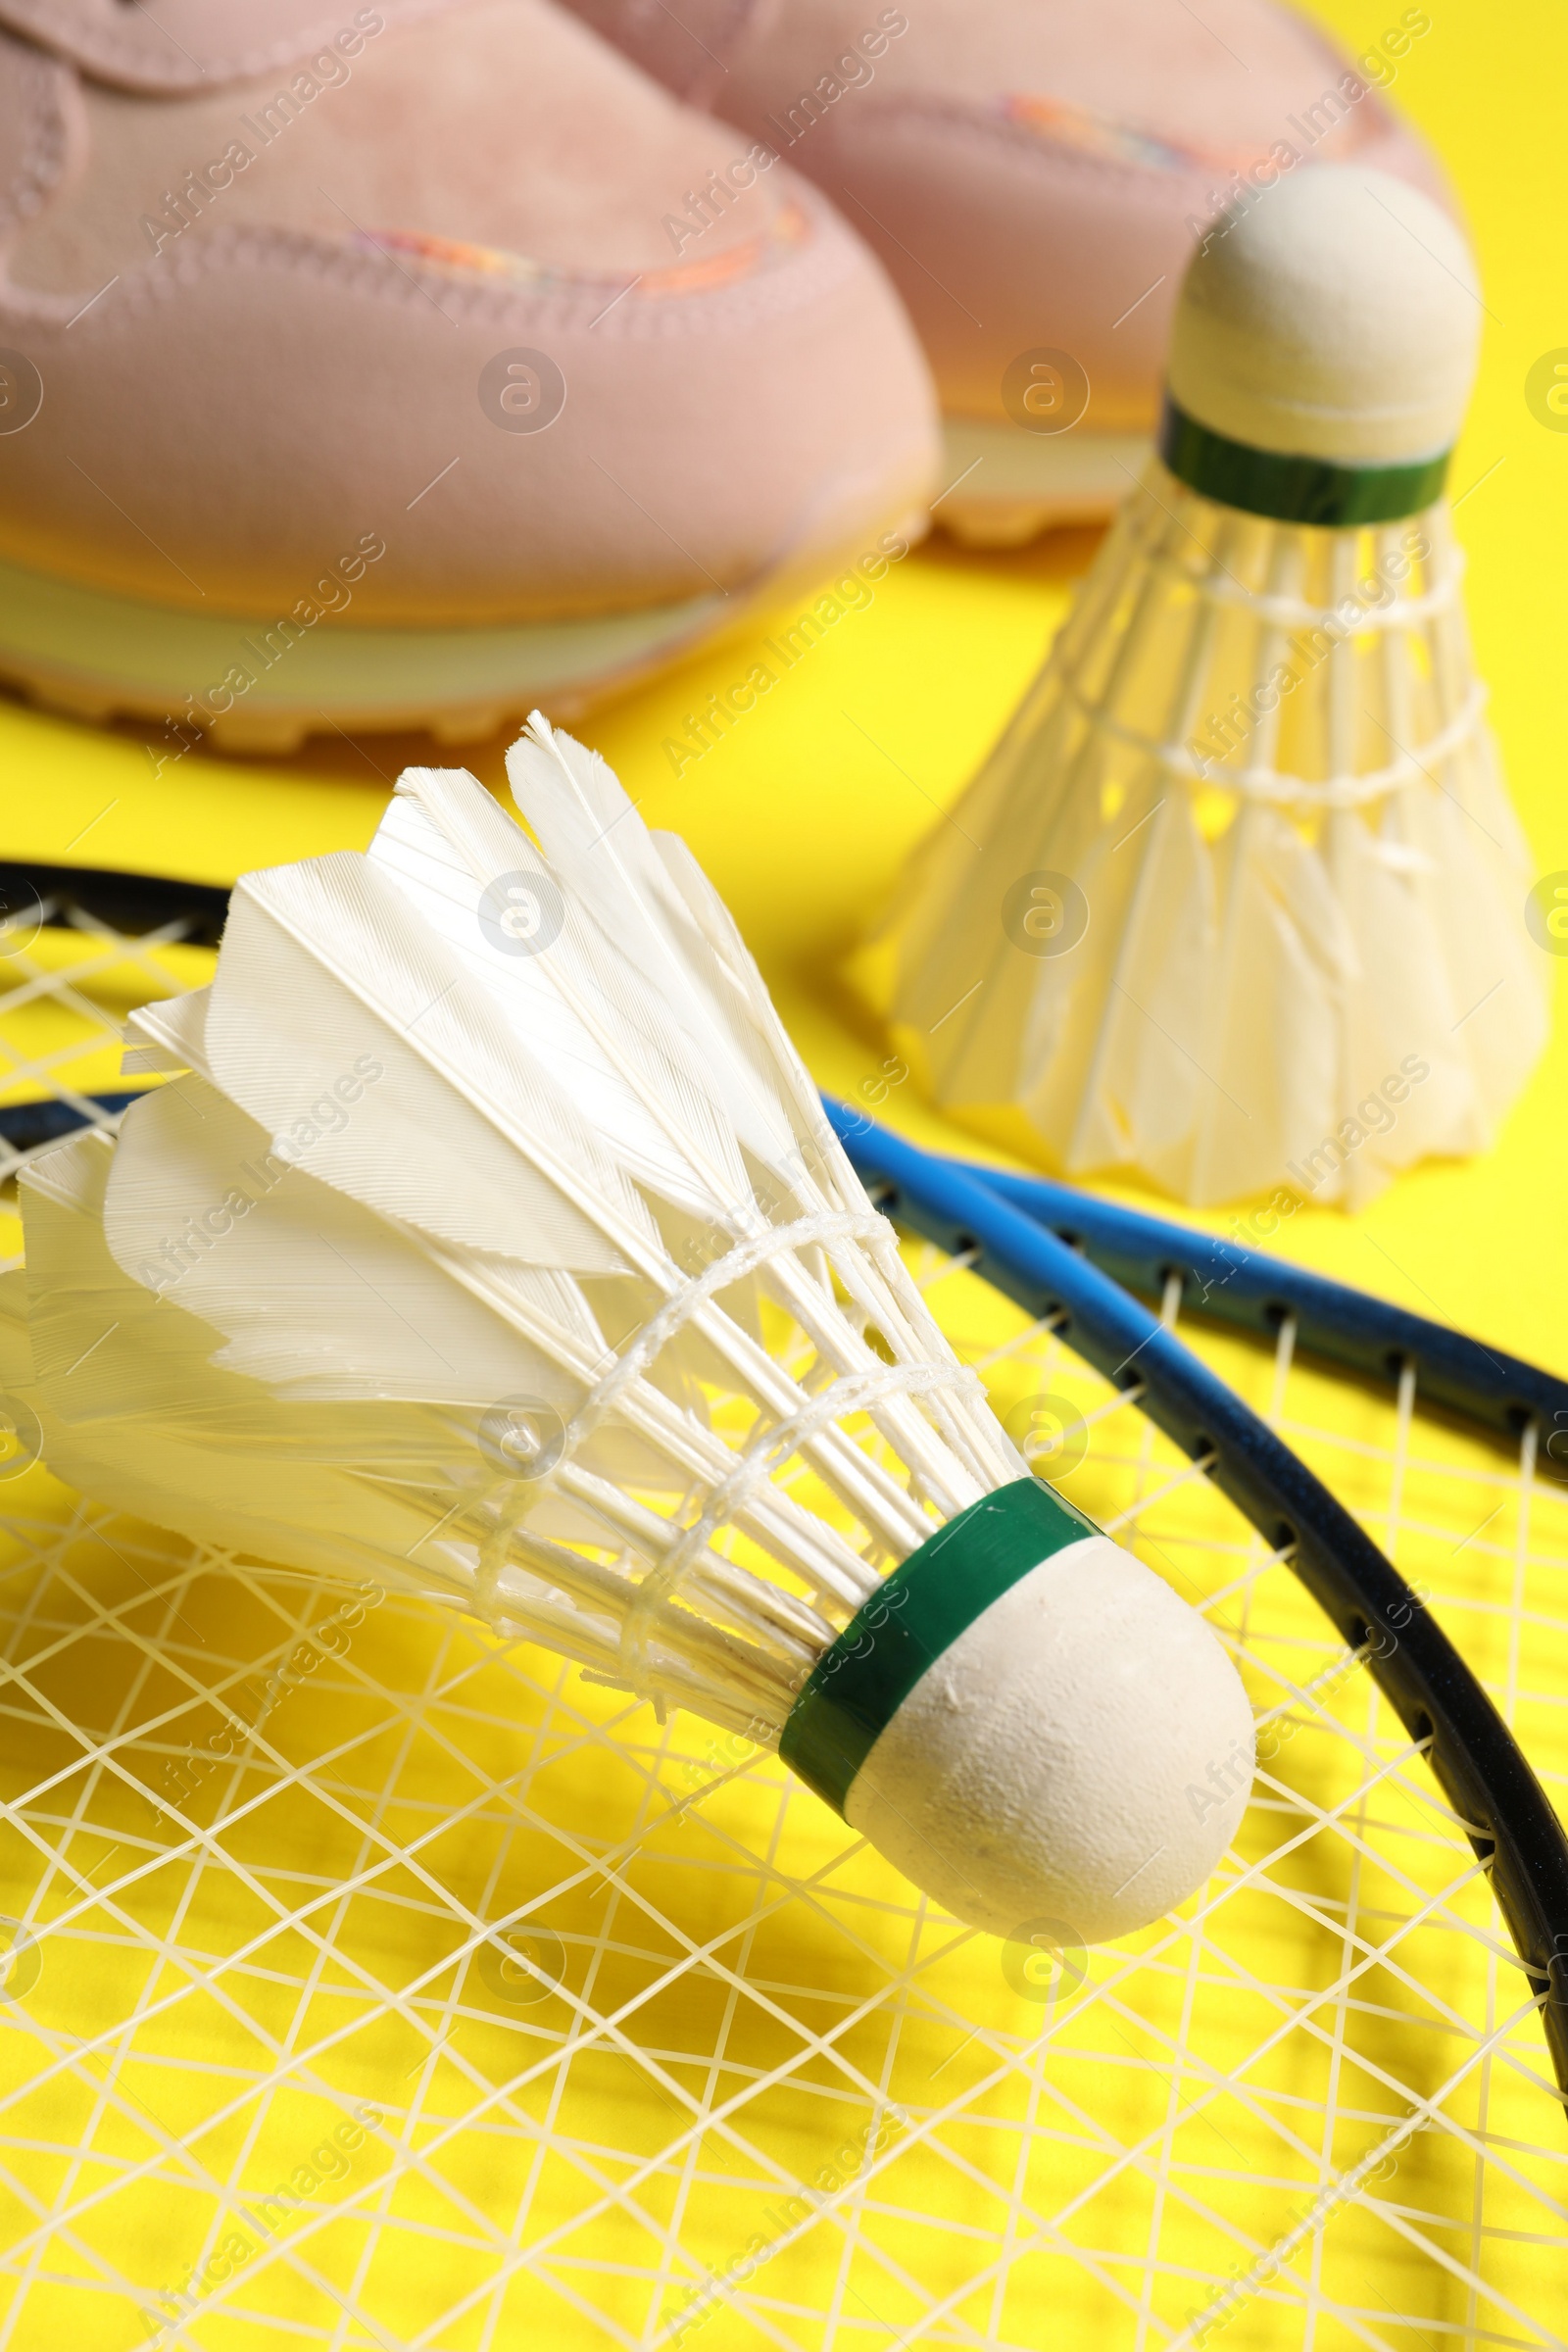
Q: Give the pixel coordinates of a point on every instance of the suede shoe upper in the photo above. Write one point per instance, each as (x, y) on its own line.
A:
(1032, 173)
(285, 279)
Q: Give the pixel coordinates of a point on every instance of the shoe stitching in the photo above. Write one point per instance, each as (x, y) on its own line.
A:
(819, 267)
(132, 59)
(44, 89)
(982, 128)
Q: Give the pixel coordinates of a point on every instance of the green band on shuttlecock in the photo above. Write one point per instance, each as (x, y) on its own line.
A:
(917, 1613)
(1294, 489)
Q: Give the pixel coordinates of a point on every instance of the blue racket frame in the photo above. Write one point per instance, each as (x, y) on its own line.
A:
(1062, 1253)
(1479, 1765)
(1334, 1323)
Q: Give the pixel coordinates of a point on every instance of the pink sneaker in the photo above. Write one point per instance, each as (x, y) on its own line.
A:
(347, 372)
(1033, 173)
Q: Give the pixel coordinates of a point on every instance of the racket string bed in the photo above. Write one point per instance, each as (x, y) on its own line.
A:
(1400, 1466)
(69, 973)
(1077, 2124)
(636, 2045)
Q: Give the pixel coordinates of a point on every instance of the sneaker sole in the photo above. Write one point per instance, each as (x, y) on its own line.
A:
(1007, 484)
(98, 655)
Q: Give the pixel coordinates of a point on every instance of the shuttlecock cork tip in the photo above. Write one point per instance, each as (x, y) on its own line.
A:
(1334, 316)
(1075, 1753)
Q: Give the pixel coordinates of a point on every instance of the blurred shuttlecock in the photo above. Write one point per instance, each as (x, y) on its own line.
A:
(1237, 899)
(494, 1241)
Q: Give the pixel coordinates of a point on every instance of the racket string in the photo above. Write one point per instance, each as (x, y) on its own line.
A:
(1107, 2165)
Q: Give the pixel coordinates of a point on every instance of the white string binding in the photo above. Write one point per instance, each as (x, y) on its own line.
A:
(1294, 613)
(677, 1310)
(846, 1394)
(853, 1393)
(1276, 790)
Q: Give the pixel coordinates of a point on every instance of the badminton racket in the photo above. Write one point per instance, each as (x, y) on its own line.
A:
(653, 2052)
(1512, 1823)
(1253, 1292)
(1222, 1280)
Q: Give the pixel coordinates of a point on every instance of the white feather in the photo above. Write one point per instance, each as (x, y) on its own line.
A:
(533, 1283)
(169, 1035)
(328, 983)
(570, 1007)
(413, 1177)
(1290, 892)
(604, 856)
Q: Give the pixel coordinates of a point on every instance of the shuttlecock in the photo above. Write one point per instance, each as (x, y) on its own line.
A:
(495, 1241)
(1237, 899)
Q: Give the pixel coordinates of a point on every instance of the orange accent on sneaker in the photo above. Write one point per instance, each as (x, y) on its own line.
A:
(1089, 134)
(790, 227)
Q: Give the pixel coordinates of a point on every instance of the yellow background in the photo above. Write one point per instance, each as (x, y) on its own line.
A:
(804, 814)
